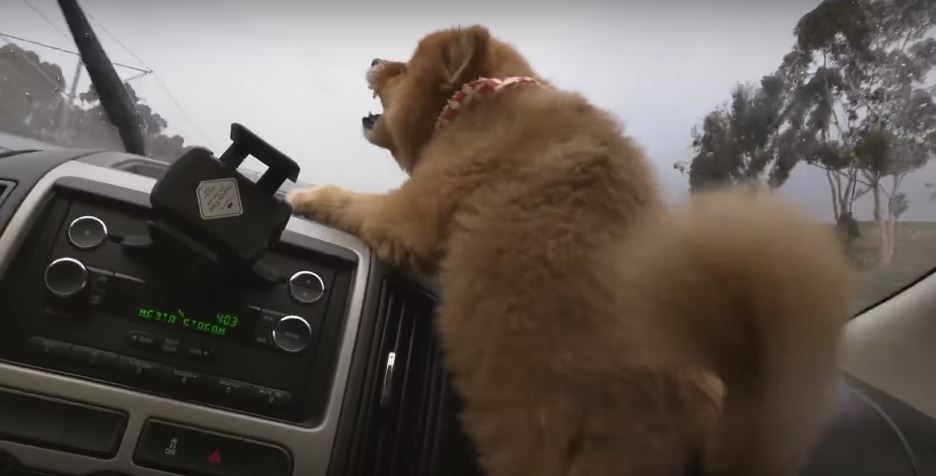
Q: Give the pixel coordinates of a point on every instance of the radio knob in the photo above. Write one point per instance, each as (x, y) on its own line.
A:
(66, 277)
(292, 334)
(306, 287)
(87, 232)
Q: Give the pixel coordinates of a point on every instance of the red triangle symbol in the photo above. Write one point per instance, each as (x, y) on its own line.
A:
(215, 457)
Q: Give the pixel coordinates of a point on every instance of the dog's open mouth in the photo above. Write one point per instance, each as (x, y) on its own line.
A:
(370, 120)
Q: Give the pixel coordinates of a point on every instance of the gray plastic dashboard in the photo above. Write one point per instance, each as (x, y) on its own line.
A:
(311, 448)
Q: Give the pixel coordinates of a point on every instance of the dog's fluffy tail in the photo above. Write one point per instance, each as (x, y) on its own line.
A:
(757, 295)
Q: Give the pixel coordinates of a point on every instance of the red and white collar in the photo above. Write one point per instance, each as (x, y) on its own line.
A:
(474, 91)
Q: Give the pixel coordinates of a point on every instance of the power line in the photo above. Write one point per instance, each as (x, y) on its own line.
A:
(159, 81)
(47, 20)
(73, 53)
(117, 40)
(144, 71)
(24, 40)
(185, 113)
(136, 76)
(35, 66)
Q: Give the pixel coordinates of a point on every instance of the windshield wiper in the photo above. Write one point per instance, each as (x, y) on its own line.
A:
(110, 90)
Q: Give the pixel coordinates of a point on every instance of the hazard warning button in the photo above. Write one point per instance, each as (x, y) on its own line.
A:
(215, 457)
(188, 450)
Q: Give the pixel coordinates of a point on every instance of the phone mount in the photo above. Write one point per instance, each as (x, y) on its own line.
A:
(211, 215)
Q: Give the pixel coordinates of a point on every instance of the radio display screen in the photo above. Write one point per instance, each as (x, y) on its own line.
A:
(221, 324)
(218, 315)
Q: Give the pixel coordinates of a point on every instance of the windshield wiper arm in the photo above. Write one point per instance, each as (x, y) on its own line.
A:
(110, 90)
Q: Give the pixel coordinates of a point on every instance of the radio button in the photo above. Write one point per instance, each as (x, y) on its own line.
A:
(130, 365)
(184, 378)
(99, 282)
(264, 337)
(263, 332)
(141, 368)
(143, 340)
(91, 356)
(170, 346)
(271, 396)
(66, 277)
(87, 232)
(200, 353)
(292, 334)
(52, 348)
(269, 318)
(234, 388)
(100, 279)
(181, 378)
(306, 287)
(96, 297)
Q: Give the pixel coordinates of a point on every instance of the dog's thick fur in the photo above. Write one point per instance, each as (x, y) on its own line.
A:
(592, 331)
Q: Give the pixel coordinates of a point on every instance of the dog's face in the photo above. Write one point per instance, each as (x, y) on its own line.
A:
(414, 93)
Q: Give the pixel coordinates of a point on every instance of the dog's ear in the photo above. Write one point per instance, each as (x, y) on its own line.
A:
(464, 56)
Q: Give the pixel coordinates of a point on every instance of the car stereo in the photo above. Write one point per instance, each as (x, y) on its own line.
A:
(83, 302)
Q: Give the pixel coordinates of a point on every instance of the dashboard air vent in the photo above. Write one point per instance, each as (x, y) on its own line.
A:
(6, 186)
(410, 409)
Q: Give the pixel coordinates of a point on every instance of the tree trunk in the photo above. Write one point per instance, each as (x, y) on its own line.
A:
(883, 241)
(836, 212)
(848, 196)
(886, 249)
(889, 235)
(892, 241)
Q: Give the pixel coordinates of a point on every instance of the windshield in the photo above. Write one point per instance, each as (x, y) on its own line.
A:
(829, 103)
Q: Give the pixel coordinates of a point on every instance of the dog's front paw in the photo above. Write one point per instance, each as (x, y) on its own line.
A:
(321, 203)
(389, 250)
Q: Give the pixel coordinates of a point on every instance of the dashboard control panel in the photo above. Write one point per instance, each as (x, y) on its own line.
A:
(84, 303)
(186, 450)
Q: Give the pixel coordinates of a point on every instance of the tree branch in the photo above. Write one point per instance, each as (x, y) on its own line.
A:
(835, 205)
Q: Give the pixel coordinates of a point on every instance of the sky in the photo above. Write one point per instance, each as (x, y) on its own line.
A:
(293, 71)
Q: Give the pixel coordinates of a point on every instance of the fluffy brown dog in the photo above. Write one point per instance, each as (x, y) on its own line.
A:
(591, 331)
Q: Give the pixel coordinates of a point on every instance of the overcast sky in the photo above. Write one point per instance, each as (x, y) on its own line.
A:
(294, 71)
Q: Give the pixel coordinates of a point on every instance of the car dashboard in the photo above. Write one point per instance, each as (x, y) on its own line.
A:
(116, 362)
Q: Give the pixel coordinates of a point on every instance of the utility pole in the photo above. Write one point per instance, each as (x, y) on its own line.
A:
(107, 84)
(65, 120)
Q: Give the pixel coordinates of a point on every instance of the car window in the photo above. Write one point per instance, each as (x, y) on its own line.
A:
(829, 103)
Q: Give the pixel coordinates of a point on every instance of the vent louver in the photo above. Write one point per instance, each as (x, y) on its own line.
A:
(412, 428)
(6, 187)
